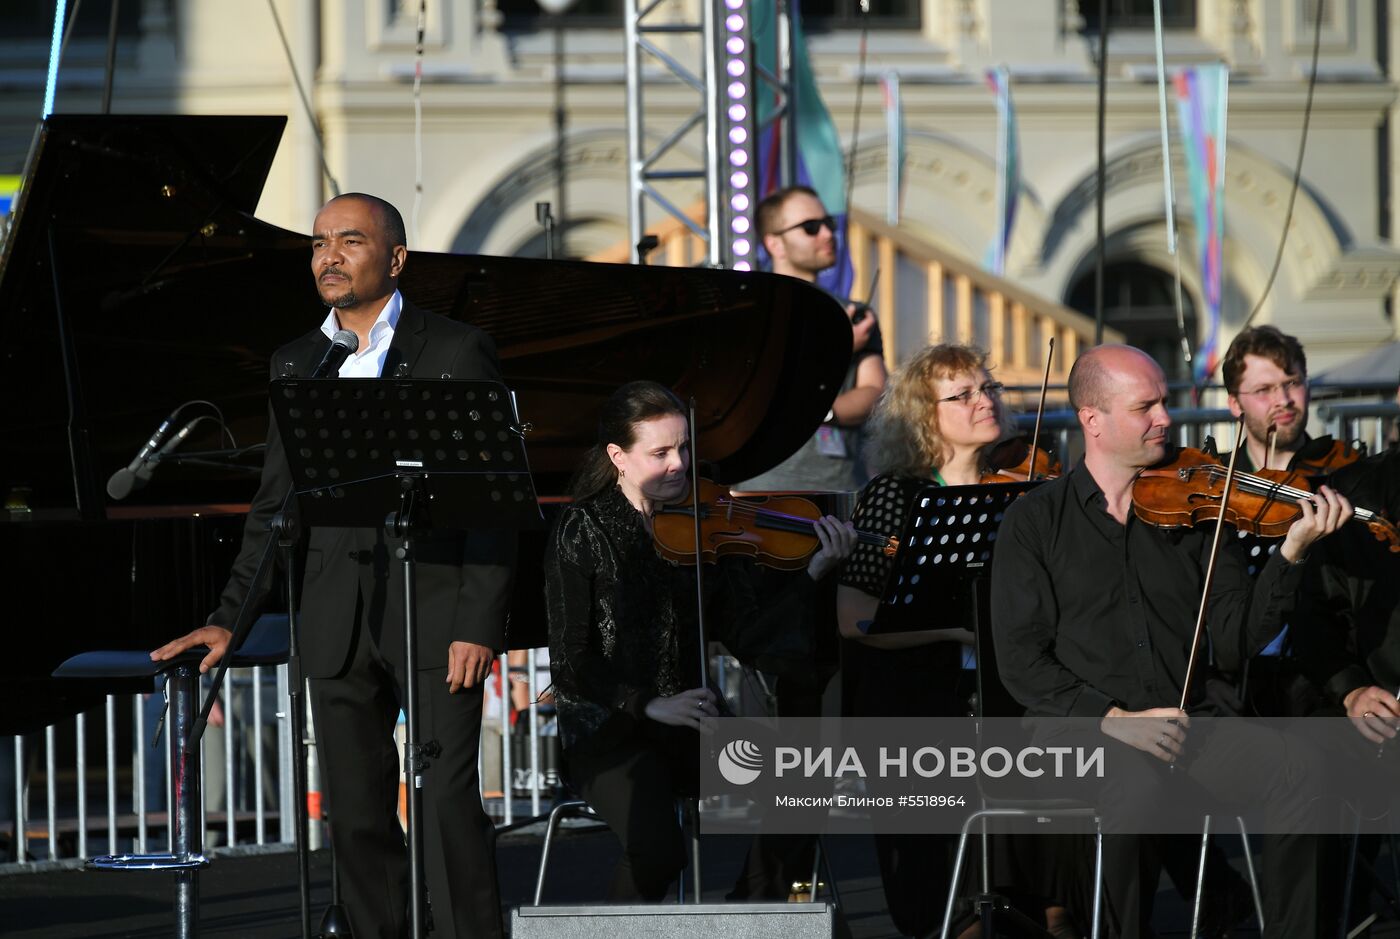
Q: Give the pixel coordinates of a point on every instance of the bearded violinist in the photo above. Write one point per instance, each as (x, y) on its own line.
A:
(1092, 614)
(1266, 377)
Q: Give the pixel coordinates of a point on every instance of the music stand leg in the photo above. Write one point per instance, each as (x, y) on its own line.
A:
(187, 834)
(412, 751)
(296, 684)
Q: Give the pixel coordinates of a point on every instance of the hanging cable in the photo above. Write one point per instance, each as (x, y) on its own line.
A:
(305, 101)
(68, 30)
(418, 117)
(1100, 177)
(110, 70)
(1169, 184)
(860, 94)
(1297, 170)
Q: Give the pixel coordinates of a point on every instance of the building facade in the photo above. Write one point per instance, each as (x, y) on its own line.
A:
(491, 82)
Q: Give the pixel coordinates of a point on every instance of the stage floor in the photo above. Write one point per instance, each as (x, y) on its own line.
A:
(255, 897)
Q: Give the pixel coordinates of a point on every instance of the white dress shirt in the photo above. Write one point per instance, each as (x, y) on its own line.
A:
(368, 362)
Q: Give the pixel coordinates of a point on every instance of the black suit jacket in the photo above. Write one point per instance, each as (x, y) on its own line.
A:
(464, 578)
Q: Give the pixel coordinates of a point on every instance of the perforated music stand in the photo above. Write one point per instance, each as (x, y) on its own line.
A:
(945, 562)
(350, 443)
(945, 545)
(408, 455)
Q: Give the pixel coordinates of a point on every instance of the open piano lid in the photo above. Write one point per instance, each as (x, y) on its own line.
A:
(171, 289)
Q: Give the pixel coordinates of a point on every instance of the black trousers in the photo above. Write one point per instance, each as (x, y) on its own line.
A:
(634, 787)
(355, 713)
(1218, 758)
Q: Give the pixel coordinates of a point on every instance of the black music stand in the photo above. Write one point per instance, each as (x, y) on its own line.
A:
(947, 542)
(945, 560)
(407, 455)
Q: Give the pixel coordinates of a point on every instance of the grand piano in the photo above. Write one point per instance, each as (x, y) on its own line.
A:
(136, 278)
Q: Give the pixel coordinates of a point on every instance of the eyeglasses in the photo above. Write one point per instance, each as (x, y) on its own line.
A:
(811, 226)
(991, 389)
(1267, 392)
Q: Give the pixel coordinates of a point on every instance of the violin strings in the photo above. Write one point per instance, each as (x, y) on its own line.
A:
(1263, 486)
(749, 511)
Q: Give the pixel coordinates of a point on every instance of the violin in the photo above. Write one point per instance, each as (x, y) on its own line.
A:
(1338, 455)
(1016, 461)
(776, 531)
(1186, 491)
(1019, 460)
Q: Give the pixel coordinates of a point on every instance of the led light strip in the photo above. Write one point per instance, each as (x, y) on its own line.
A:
(738, 143)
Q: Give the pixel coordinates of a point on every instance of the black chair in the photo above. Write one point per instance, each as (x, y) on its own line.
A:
(266, 645)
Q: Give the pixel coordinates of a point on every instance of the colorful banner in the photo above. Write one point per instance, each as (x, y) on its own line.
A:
(820, 161)
(1201, 94)
(894, 147)
(1008, 169)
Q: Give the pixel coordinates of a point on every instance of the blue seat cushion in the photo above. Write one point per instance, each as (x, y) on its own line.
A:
(265, 645)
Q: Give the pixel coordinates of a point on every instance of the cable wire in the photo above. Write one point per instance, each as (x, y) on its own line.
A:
(418, 117)
(860, 94)
(1297, 170)
(305, 101)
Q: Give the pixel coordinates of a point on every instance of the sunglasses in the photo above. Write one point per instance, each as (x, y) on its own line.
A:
(811, 226)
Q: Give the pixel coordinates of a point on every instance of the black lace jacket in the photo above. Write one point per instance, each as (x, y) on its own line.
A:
(622, 620)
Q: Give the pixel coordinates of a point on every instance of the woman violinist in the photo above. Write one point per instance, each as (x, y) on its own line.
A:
(937, 423)
(622, 633)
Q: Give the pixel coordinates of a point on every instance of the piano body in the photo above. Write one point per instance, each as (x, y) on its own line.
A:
(136, 278)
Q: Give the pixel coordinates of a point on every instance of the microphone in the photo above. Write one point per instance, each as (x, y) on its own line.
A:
(119, 486)
(125, 481)
(342, 344)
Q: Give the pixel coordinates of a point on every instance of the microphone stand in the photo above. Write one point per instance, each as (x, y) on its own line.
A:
(284, 533)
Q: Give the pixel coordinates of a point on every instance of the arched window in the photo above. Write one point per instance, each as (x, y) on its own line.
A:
(1139, 302)
(1137, 14)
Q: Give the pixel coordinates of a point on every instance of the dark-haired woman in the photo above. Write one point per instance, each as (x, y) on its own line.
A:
(622, 633)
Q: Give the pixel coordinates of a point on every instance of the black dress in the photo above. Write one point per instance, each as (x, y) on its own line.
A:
(622, 631)
(922, 681)
(930, 681)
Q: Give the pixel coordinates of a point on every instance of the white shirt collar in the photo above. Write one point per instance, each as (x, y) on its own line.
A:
(386, 321)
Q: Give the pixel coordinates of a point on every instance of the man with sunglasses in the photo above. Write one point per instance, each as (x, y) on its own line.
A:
(800, 236)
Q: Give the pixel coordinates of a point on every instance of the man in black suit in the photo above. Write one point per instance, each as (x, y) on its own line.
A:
(351, 618)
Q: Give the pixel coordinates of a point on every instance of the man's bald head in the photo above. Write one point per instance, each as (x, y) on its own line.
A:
(389, 217)
(1098, 372)
(1120, 397)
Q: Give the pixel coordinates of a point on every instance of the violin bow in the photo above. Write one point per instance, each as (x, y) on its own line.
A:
(1040, 408)
(1210, 565)
(699, 574)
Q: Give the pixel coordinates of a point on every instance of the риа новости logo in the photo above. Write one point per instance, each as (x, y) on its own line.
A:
(740, 762)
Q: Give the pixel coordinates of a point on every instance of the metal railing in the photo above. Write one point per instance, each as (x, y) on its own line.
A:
(928, 295)
(119, 801)
(1364, 422)
(65, 796)
(1369, 425)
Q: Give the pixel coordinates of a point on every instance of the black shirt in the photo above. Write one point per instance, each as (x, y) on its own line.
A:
(1313, 448)
(1347, 626)
(1088, 613)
